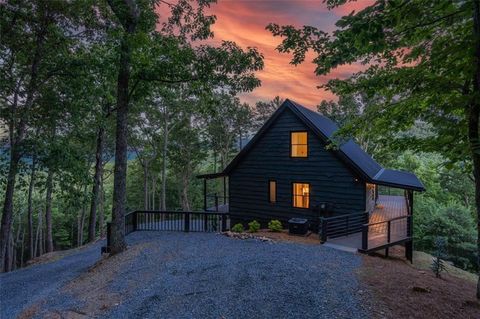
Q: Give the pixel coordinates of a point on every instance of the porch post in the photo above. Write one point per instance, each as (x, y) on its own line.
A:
(204, 194)
(224, 190)
(409, 244)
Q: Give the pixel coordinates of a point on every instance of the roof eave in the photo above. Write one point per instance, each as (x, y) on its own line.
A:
(402, 186)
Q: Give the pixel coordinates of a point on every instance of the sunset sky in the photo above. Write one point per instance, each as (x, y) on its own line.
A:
(244, 21)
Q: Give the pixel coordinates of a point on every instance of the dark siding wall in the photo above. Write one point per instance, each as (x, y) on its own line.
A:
(330, 180)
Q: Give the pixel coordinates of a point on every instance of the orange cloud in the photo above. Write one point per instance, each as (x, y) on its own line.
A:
(244, 22)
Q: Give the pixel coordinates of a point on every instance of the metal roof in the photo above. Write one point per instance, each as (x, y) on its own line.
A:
(350, 152)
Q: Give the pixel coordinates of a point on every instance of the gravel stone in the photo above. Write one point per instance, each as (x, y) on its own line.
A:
(203, 275)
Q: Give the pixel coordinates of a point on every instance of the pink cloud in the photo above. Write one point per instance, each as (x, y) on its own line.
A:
(244, 22)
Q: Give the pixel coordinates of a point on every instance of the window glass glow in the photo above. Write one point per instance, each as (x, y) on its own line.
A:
(301, 195)
(272, 191)
(299, 144)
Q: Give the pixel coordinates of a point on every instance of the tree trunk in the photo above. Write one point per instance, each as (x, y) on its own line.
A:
(145, 185)
(48, 210)
(22, 250)
(101, 211)
(8, 209)
(154, 188)
(79, 228)
(17, 242)
(127, 12)
(184, 194)
(17, 134)
(30, 209)
(38, 238)
(82, 217)
(92, 222)
(10, 253)
(163, 203)
(473, 127)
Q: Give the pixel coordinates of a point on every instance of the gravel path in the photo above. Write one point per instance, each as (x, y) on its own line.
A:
(200, 275)
(22, 288)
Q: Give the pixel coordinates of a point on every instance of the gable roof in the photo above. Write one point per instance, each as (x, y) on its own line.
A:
(350, 152)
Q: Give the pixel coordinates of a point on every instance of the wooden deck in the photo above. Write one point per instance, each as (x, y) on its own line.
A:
(387, 207)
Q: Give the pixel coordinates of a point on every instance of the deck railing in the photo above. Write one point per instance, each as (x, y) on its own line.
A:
(342, 225)
(386, 233)
(172, 221)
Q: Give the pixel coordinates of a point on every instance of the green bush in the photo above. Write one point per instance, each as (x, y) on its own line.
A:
(452, 222)
(237, 228)
(275, 225)
(253, 226)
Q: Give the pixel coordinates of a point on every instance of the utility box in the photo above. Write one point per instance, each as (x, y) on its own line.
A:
(298, 226)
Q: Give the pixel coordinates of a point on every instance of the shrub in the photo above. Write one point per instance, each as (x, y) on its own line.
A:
(237, 228)
(253, 226)
(438, 265)
(275, 225)
(452, 222)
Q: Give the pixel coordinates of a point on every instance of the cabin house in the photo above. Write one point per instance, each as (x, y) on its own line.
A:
(287, 170)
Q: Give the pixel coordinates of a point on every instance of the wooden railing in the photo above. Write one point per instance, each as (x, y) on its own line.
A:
(386, 233)
(172, 221)
(342, 225)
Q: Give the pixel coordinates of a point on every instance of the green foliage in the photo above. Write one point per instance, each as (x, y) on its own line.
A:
(253, 226)
(238, 228)
(58, 89)
(275, 225)
(451, 221)
(438, 265)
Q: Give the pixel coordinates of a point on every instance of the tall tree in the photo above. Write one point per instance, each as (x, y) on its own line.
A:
(127, 13)
(422, 61)
(165, 56)
(35, 37)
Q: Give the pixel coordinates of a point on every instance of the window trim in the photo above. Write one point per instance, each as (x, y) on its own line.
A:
(291, 144)
(293, 194)
(269, 189)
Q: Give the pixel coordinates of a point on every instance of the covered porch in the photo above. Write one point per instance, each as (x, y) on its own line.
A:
(215, 197)
(389, 208)
(389, 224)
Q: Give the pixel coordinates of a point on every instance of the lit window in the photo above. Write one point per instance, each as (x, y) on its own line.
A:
(299, 144)
(272, 191)
(301, 195)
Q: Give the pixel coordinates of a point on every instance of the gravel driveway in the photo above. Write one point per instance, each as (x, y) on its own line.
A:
(198, 275)
(20, 289)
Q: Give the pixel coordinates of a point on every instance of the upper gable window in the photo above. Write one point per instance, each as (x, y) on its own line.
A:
(298, 144)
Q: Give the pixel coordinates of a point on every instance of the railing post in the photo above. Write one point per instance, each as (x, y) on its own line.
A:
(186, 222)
(389, 225)
(205, 222)
(205, 194)
(224, 190)
(365, 237)
(224, 222)
(134, 222)
(216, 202)
(323, 234)
(348, 226)
(409, 225)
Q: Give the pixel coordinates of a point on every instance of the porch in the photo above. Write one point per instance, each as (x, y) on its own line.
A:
(389, 224)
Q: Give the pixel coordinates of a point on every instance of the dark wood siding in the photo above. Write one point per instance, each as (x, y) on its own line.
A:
(330, 180)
